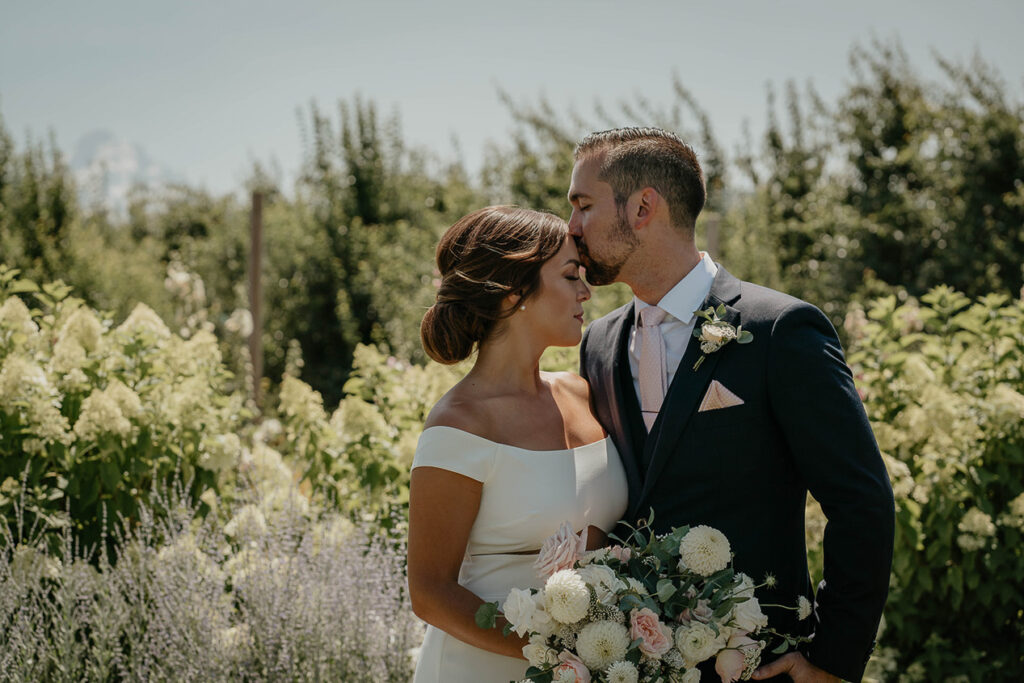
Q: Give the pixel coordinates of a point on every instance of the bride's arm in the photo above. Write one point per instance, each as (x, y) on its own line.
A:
(442, 507)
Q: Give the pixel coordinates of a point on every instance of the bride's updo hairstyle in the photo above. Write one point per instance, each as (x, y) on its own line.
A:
(484, 257)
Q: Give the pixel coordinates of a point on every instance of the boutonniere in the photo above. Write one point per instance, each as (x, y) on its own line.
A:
(714, 333)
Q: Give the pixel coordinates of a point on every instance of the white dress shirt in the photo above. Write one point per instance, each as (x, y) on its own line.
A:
(679, 303)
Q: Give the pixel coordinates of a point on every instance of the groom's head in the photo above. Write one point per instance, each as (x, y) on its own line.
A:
(625, 181)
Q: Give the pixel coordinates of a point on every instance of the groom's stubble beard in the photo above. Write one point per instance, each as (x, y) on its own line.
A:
(604, 270)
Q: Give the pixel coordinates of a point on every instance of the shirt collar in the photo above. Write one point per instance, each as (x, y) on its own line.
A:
(687, 295)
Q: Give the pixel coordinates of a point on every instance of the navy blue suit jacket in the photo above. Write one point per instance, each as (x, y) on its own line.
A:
(746, 469)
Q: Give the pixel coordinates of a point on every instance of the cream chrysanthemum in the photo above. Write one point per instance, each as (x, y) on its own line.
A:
(803, 608)
(622, 672)
(566, 596)
(704, 550)
(691, 676)
(601, 643)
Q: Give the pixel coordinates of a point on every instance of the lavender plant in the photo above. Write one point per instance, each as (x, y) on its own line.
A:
(290, 595)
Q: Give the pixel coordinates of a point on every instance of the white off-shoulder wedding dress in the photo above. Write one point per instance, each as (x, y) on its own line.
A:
(526, 496)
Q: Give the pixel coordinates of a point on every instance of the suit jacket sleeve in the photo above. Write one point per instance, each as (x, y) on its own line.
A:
(816, 405)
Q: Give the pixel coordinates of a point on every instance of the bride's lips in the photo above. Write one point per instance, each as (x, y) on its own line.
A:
(579, 316)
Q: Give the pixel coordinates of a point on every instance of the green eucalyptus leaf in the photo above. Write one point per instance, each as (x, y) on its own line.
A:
(487, 615)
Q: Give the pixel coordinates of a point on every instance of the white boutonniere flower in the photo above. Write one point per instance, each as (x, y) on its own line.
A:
(715, 333)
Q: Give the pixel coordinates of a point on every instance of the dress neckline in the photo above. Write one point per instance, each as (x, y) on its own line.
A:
(518, 448)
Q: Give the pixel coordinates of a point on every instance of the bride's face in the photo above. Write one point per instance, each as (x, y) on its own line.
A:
(555, 311)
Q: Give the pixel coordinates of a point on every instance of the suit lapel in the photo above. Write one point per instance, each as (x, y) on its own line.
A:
(620, 334)
(688, 385)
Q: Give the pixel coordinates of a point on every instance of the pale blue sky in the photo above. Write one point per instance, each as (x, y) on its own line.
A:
(206, 87)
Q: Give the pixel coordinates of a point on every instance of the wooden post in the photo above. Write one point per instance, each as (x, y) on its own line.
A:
(256, 294)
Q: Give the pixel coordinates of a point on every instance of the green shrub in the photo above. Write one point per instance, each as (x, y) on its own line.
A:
(943, 385)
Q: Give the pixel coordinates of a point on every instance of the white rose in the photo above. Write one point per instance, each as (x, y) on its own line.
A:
(538, 653)
(602, 579)
(542, 622)
(519, 609)
(698, 642)
(747, 614)
(716, 333)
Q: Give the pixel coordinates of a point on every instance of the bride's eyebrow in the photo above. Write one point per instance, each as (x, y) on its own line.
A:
(572, 262)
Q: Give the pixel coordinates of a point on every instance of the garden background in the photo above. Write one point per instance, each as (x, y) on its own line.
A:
(160, 524)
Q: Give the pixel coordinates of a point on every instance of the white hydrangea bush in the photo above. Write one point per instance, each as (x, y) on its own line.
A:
(94, 413)
(943, 383)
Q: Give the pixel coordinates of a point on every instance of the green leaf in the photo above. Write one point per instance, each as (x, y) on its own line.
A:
(487, 615)
(745, 337)
(22, 286)
(720, 311)
(666, 589)
(110, 473)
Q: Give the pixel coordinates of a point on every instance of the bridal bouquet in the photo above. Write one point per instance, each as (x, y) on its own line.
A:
(651, 609)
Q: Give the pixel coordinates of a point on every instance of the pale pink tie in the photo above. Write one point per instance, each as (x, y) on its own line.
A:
(651, 375)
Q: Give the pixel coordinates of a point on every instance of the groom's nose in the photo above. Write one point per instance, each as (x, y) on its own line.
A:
(575, 224)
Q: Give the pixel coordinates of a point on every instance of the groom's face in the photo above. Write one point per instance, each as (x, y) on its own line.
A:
(603, 235)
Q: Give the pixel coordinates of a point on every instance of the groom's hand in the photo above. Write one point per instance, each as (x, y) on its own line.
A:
(798, 668)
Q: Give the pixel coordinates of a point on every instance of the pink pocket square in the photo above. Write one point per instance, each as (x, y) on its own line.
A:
(718, 397)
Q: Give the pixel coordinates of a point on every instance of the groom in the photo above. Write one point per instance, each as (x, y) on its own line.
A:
(727, 434)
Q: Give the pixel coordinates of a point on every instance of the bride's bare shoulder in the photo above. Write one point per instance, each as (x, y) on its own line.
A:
(460, 410)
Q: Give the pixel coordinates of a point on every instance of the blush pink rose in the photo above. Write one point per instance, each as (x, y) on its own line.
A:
(569, 662)
(730, 662)
(619, 553)
(560, 551)
(656, 637)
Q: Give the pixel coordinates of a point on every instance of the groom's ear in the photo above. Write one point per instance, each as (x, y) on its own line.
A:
(642, 207)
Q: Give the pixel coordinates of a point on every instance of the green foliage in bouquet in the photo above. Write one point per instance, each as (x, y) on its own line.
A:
(943, 385)
(92, 416)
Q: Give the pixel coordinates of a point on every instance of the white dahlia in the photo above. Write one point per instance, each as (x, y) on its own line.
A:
(704, 550)
(566, 597)
(622, 672)
(602, 643)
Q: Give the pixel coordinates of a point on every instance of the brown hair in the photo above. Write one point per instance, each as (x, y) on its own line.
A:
(484, 257)
(635, 158)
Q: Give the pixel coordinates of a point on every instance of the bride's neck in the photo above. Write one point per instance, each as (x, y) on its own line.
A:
(507, 365)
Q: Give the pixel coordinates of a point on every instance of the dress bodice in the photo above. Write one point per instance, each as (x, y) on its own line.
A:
(527, 494)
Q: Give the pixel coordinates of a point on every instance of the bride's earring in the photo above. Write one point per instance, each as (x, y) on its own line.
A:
(522, 307)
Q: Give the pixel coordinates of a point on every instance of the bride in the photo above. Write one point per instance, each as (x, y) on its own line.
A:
(510, 452)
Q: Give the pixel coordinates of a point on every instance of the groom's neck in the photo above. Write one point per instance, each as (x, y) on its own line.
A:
(660, 268)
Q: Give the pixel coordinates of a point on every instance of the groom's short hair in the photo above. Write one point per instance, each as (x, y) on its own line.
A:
(635, 158)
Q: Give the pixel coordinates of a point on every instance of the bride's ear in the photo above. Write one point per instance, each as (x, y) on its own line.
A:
(513, 302)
